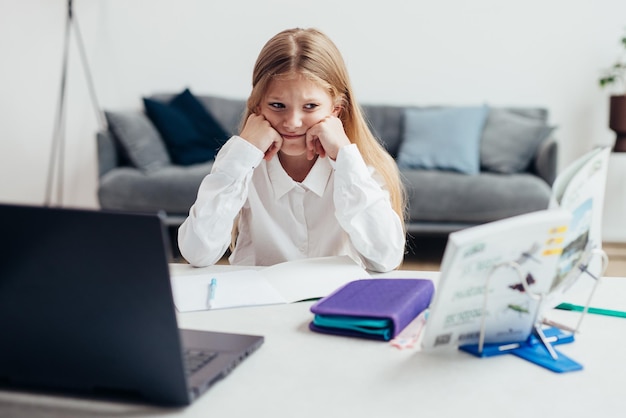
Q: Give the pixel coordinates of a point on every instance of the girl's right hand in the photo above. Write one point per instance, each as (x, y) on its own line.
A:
(262, 135)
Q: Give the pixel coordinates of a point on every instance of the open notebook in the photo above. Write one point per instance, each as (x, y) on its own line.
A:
(287, 282)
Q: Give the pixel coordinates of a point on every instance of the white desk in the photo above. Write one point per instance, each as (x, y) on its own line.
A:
(298, 373)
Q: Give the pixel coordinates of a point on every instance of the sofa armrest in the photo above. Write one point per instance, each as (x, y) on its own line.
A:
(107, 152)
(545, 161)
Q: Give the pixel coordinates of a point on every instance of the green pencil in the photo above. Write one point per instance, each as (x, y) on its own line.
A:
(597, 311)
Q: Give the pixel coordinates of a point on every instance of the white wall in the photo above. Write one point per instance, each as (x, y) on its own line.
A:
(533, 52)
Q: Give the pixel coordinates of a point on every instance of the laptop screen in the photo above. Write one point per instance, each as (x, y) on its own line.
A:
(85, 299)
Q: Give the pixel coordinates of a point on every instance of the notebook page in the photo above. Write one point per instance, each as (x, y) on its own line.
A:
(234, 289)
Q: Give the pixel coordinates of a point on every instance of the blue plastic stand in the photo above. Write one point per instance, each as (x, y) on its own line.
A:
(538, 348)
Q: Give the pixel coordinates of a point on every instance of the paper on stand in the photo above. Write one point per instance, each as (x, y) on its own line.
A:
(287, 282)
(480, 290)
(580, 189)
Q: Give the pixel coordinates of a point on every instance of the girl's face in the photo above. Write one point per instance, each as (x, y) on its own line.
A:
(294, 105)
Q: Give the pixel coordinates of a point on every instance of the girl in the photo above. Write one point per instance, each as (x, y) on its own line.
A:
(305, 177)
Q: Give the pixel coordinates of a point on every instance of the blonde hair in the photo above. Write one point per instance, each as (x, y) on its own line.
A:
(312, 54)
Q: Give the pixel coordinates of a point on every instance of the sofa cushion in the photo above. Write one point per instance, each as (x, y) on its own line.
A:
(172, 189)
(445, 196)
(510, 141)
(139, 139)
(191, 134)
(446, 138)
(201, 118)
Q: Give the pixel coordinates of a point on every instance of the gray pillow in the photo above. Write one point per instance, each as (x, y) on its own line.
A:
(140, 139)
(510, 141)
(446, 138)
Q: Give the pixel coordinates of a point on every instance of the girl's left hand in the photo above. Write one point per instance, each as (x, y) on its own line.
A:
(326, 138)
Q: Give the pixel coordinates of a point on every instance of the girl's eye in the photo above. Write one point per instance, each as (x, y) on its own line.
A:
(277, 105)
(310, 106)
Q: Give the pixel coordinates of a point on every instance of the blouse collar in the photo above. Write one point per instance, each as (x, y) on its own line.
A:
(316, 180)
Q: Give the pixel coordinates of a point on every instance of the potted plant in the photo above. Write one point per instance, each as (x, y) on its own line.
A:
(616, 75)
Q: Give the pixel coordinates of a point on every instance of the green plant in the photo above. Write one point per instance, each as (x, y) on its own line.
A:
(617, 73)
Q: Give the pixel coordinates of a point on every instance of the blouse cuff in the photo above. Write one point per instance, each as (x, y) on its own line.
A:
(351, 159)
(237, 157)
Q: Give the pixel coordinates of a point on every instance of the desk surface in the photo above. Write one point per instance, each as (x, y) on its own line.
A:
(301, 373)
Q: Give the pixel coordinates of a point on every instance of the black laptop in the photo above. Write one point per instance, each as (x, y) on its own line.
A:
(86, 308)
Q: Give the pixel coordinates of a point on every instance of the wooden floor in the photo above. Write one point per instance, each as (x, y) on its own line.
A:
(425, 253)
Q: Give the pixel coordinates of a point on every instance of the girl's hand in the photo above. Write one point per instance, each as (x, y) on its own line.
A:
(260, 133)
(326, 138)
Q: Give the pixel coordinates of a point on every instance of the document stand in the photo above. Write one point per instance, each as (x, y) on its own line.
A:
(584, 269)
(541, 340)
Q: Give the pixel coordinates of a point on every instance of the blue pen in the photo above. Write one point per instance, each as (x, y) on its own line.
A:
(211, 293)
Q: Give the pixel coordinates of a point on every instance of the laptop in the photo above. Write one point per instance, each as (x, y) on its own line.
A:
(86, 308)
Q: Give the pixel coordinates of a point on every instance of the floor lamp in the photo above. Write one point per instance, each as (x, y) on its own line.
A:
(55, 166)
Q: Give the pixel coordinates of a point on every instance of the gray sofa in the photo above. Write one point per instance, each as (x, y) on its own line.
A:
(440, 200)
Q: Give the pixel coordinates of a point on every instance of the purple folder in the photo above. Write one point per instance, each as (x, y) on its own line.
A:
(395, 302)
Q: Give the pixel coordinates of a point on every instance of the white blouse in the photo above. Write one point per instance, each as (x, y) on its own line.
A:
(341, 208)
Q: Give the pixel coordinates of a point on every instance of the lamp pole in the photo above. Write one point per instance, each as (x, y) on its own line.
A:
(57, 153)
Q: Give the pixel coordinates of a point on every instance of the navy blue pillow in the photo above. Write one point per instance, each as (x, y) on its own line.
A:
(190, 133)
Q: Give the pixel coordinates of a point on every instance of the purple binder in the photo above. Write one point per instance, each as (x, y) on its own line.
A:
(398, 300)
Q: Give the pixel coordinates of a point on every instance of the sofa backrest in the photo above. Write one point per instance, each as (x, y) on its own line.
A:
(228, 112)
(387, 121)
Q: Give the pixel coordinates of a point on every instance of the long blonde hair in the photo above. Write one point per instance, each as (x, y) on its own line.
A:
(311, 53)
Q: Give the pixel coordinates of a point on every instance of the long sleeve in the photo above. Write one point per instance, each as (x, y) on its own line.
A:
(364, 211)
(206, 233)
